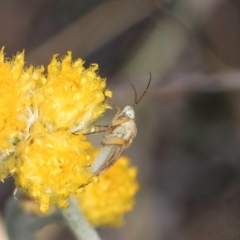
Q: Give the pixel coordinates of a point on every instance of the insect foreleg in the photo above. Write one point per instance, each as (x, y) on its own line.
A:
(117, 115)
(119, 122)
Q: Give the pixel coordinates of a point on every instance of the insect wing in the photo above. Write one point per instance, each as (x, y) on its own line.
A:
(107, 156)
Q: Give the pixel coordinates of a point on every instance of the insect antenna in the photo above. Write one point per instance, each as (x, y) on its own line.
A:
(135, 91)
(137, 100)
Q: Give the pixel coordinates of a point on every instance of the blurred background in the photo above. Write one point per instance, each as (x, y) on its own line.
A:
(188, 144)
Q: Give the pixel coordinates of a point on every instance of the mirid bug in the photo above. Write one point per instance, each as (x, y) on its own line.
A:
(118, 136)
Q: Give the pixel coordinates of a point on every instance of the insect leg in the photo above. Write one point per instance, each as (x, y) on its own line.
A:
(114, 140)
(89, 133)
(97, 131)
(117, 115)
(101, 125)
(119, 122)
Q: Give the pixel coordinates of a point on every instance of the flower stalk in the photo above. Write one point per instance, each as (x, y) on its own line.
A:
(77, 222)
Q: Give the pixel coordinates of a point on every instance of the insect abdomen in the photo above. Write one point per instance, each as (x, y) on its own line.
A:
(103, 158)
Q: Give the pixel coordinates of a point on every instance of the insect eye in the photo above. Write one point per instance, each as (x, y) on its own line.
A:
(130, 114)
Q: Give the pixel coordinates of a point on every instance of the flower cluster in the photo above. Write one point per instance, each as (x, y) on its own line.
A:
(106, 199)
(42, 145)
(38, 116)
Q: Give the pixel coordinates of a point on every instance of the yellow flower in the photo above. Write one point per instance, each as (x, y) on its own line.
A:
(106, 199)
(42, 121)
(39, 115)
(53, 167)
(72, 96)
(105, 202)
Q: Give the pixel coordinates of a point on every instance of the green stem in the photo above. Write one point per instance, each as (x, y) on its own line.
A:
(77, 222)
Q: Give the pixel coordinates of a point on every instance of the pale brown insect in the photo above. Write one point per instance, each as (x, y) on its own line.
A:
(118, 136)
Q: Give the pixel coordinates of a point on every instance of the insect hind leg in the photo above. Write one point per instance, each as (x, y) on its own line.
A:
(99, 125)
(114, 141)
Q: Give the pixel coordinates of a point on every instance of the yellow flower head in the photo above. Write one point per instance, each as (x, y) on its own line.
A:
(53, 167)
(38, 116)
(105, 202)
(72, 96)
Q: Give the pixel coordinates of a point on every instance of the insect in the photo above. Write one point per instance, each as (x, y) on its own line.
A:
(118, 136)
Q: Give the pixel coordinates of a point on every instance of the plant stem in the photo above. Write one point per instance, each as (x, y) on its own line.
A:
(77, 222)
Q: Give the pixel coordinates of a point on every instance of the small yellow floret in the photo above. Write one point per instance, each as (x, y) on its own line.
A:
(108, 93)
(105, 202)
